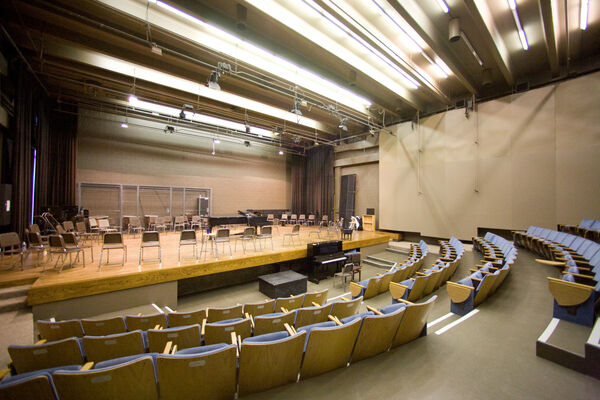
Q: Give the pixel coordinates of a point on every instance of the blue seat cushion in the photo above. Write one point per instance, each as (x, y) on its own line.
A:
(309, 328)
(568, 278)
(355, 316)
(32, 374)
(227, 321)
(409, 282)
(267, 337)
(392, 308)
(202, 349)
(122, 360)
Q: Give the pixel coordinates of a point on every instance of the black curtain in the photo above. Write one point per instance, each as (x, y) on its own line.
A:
(319, 181)
(299, 185)
(57, 159)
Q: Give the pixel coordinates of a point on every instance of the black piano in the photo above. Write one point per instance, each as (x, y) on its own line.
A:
(245, 218)
(324, 259)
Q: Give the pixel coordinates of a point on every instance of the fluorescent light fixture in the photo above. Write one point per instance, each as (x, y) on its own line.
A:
(471, 49)
(133, 99)
(314, 23)
(136, 71)
(583, 14)
(216, 141)
(167, 17)
(280, 152)
(124, 125)
(512, 4)
(443, 6)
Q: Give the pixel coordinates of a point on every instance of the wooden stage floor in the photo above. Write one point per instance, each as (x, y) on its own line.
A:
(76, 281)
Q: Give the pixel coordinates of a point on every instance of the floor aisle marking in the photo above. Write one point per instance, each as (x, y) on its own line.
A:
(595, 335)
(458, 321)
(549, 330)
(440, 319)
(158, 308)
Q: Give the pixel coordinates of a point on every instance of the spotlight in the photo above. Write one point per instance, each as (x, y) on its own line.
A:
(372, 132)
(213, 80)
(296, 108)
(342, 124)
(246, 143)
(247, 128)
(182, 114)
(280, 152)
(124, 125)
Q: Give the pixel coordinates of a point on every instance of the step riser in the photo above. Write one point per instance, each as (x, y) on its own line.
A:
(376, 264)
(381, 260)
(22, 305)
(15, 293)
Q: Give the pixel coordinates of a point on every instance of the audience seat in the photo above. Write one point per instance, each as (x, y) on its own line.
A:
(53, 331)
(101, 327)
(182, 336)
(102, 348)
(47, 355)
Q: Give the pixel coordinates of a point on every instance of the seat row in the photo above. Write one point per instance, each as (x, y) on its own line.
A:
(426, 282)
(498, 255)
(380, 283)
(587, 228)
(577, 290)
(247, 365)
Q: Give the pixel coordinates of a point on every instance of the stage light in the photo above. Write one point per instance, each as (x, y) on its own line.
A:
(213, 80)
(280, 152)
(216, 141)
(296, 108)
(343, 125)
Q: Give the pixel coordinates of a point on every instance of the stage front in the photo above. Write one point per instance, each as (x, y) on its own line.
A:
(79, 292)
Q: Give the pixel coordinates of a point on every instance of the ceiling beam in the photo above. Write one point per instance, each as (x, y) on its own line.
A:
(484, 22)
(437, 41)
(550, 35)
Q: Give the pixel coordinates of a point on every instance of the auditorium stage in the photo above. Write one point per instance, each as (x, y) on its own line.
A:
(51, 289)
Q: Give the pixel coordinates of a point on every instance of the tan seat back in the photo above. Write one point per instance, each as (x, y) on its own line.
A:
(184, 337)
(219, 314)
(376, 334)
(484, 290)
(316, 297)
(186, 318)
(432, 282)
(289, 303)
(263, 324)
(102, 327)
(312, 315)
(329, 348)
(47, 355)
(256, 309)
(414, 321)
(256, 372)
(52, 331)
(203, 377)
(38, 388)
(384, 282)
(221, 333)
(145, 322)
(102, 348)
(343, 309)
(134, 380)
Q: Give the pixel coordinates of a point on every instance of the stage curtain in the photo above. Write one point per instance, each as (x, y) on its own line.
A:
(320, 181)
(57, 159)
(299, 185)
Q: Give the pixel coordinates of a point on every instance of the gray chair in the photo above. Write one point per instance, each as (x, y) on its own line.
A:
(82, 232)
(295, 233)
(36, 245)
(222, 236)
(135, 226)
(149, 239)
(344, 273)
(196, 222)
(112, 241)
(58, 246)
(187, 238)
(248, 235)
(266, 233)
(71, 241)
(68, 225)
(10, 244)
(180, 222)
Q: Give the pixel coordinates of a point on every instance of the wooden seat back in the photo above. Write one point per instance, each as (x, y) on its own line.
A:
(376, 335)
(52, 331)
(384, 282)
(145, 322)
(414, 321)
(432, 282)
(221, 333)
(220, 314)
(184, 337)
(47, 355)
(257, 361)
(289, 303)
(100, 348)
(484, 289)
(315, 297)
(343, 309)
(202, 377)
(134, 380)
(256, 309)
(186, 318)
(312, 315)
(271, 324)
(329, 349)
(38, 388)
(101, 327)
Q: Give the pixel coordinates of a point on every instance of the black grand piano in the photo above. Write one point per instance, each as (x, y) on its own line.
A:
(245, 218)
(324, 259)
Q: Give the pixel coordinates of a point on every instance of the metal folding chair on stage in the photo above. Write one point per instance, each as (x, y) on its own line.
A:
(248, 235)
(149, 239)
(295, 233)
(112, 241)
(58, 246)
(222, 236)
(187, 238)
(266, 232)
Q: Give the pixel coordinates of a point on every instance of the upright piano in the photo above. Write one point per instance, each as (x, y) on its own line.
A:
(324, 259)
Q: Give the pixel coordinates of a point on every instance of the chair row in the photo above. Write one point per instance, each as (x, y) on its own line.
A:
(220, 371)
(56, 330)
(484, 280)
(426, 282)
(577, 290)
(380, 283)
(587, 228)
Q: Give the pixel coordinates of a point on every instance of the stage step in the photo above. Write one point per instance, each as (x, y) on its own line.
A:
(13, 298)
(376, 263)
(398, 251)
(381, 260)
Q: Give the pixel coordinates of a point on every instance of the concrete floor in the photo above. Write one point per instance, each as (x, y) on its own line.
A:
(489, 356)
